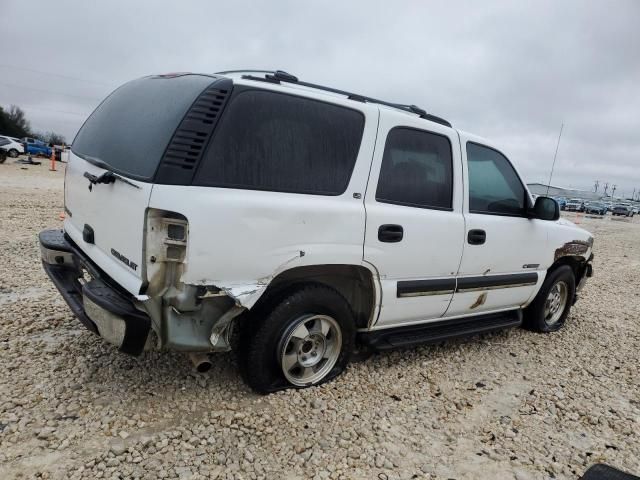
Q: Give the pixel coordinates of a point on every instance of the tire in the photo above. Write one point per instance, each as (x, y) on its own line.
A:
(536, 316)
(13, 153)
(312, 323)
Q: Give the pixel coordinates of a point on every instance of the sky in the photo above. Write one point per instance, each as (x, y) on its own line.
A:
(513, 72)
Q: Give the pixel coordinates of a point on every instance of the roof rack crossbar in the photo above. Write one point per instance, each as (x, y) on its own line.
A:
(278, 76)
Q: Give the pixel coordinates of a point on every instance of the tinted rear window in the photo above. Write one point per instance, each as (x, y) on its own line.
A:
(278, 142)
(130, 130)
(416, 170)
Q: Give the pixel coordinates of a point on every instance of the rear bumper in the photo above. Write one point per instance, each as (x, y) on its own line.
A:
(92, 296)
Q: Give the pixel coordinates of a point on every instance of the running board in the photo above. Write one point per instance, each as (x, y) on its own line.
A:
(435, 332)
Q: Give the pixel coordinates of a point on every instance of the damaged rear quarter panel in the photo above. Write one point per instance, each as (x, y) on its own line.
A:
(239, 240)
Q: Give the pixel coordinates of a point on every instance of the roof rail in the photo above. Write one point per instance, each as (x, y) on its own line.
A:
(279, 76)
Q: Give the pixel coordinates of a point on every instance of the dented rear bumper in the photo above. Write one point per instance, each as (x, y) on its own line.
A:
(99, 304)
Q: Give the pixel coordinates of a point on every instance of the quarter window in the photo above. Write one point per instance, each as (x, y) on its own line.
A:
(416, 170)
(278, 142)
(494, 186)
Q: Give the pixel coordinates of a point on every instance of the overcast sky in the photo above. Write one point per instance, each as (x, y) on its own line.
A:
(509, 71)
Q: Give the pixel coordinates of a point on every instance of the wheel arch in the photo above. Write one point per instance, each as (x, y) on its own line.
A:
(354, 282)
(575, 262)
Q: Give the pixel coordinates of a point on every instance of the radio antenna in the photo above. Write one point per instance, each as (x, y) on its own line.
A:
(554, 159)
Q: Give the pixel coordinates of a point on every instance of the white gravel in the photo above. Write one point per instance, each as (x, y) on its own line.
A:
(513, 405)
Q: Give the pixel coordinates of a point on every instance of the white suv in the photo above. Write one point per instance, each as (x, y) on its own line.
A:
(303, 218)
(12, 146)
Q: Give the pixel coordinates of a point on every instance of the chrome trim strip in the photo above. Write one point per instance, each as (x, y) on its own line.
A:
(494, 287)
(426, 293)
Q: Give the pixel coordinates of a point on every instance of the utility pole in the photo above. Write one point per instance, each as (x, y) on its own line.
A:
(596, 185)
(613, 190)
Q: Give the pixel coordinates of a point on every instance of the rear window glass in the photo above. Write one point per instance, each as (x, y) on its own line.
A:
(278, 142)
(416, 170)
(130, 130)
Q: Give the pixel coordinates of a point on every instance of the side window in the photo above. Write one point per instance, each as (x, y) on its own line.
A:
(494, 186)
(416, 170)
(278, 142)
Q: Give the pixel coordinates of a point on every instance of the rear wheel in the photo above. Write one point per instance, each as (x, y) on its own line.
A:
(550, 309)
(306, 339)
(13, 153)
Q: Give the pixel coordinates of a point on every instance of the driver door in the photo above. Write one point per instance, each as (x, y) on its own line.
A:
(503, 250)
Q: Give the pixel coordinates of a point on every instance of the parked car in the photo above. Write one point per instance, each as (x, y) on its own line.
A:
(562, 202)
(187, 224)
(11, 146)
(3, 153)
(33, 146)
(575, 205)
(596, 208)
(623, 210)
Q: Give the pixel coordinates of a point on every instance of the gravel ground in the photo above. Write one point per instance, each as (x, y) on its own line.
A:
(513, 405)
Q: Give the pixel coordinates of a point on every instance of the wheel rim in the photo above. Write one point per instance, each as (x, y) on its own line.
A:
(13, 153)
(556, 303)
(310, 349)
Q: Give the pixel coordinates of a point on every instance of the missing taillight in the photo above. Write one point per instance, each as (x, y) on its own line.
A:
(176, 232)
(174, 253)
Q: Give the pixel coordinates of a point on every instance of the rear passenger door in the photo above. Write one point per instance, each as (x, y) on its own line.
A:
(414, 225)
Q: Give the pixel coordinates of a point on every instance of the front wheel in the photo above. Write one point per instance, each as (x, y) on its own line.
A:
(550, 309)
(307, 339)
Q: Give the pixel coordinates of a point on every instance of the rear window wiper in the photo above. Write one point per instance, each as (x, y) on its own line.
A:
(106, 178)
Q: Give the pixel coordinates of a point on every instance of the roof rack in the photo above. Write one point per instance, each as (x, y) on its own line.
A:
(279, 76)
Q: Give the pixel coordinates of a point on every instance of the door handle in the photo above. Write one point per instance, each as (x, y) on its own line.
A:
(476, 237)
(390, 233)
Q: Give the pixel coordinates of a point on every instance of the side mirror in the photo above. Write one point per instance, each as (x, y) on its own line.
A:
(546, 208)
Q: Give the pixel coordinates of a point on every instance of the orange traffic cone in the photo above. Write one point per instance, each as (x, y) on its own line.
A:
(53, 160)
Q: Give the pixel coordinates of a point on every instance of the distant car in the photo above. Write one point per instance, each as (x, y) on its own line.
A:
(33, 146)
(597, 208)
(575, 205)
(3, 153)
(562, 202)
(624, 210)
(11, 146)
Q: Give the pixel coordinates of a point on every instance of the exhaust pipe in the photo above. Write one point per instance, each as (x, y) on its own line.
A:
(200, 361)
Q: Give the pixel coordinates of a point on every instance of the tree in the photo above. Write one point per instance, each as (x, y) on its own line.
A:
(18, 124)
(13, 122)
(50, 137)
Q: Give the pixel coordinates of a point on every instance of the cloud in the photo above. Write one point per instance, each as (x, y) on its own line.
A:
(509, 71)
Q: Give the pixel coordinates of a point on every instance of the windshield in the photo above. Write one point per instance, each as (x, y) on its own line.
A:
(130, 130)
